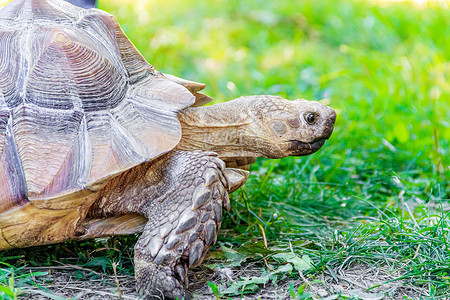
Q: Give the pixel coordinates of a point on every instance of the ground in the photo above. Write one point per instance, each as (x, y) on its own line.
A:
(364, 218)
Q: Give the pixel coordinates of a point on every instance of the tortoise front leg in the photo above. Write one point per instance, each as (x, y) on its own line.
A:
(183, 221)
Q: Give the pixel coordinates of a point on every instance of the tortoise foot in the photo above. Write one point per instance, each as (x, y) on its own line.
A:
(157, 282)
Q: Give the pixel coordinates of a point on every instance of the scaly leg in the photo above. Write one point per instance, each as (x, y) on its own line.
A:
(184, 217)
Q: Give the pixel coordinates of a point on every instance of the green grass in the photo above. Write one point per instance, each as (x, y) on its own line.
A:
(377, 193)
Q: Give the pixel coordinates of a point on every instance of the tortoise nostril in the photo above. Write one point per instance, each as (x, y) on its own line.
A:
(329, 125)
(333, 116)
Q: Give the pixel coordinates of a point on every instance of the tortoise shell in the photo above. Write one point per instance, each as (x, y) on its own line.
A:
(78, 103)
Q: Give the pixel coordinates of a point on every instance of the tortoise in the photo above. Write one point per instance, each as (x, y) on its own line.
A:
(95, 142)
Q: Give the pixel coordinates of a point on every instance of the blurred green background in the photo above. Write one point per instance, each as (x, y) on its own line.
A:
(384, 66)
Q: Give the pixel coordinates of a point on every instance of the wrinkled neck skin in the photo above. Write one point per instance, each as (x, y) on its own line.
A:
(223, 128)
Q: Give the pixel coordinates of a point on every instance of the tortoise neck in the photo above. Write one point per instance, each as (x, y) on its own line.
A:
(222, 128)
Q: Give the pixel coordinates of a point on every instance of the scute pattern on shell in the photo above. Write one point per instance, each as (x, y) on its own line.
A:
(78, 103)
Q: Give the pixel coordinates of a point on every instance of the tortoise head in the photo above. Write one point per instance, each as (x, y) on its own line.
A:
(257, 126)
(289, 128)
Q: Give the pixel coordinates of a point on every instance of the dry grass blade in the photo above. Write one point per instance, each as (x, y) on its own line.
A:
(117, 279)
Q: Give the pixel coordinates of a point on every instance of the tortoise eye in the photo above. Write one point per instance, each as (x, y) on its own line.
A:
(310, 118)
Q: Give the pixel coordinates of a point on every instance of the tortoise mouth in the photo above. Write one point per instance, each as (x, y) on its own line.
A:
(299, 148)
